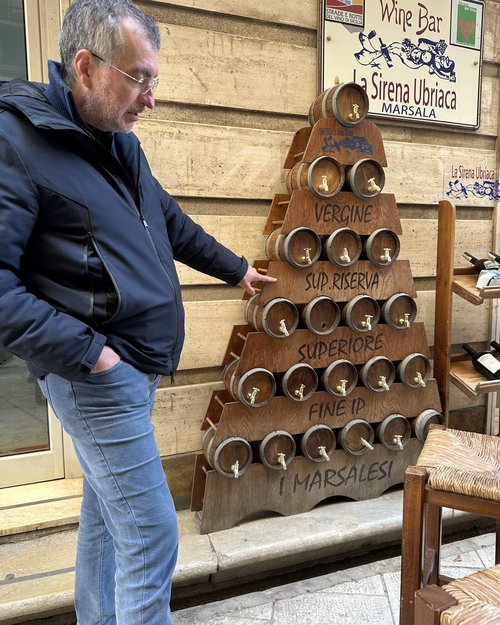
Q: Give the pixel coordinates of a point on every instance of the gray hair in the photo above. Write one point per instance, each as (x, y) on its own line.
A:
(96, 26)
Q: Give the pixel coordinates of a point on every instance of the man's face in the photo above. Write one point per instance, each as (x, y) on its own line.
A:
(115, 101)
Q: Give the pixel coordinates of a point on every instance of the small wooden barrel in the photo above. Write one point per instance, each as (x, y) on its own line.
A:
(278, 318)
(424, 420)
(346, 102)
(414, 370)
(366, 178)
(256, 387)
(356, 437)
(277, 450)
(318, 443)
(301, 247)
(324, 176)
(343, 247)
(399, 311)
(394, 432)
(378, 373)
(382, 247)
(340, 378)
(299, 382)
(232, 457)
(321, 316)
(361, 313)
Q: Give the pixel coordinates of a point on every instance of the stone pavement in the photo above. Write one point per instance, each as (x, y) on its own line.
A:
(363, 595)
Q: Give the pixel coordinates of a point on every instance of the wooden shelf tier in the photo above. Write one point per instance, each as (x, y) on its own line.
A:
(464, 284)
(468, 380)
(302, 486)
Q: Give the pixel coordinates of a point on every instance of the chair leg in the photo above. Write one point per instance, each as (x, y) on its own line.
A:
(497, 544)
(429, 603)
(411, 547)
(432, 544)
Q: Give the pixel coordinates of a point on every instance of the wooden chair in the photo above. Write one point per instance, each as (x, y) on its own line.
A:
(458, 470)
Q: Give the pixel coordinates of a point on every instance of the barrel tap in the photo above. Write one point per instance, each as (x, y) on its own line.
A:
(383, 383)
(355, 112)
(322, 452)
(307, 256)
(386, 256)
(366, 443)
(281, 460)
(253, 395)
(300, 392)
(368, 322)
(323, 186)
(373, 186)
(342, 388)
(345, 258)
(405, 321)
(419, 380)
(397, 440)
(283, 328)
(235, 468)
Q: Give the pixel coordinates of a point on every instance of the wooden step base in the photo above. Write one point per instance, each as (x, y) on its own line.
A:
(227, 501)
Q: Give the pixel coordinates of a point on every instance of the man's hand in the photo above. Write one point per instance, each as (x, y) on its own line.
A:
(107, 359)
(251, 276)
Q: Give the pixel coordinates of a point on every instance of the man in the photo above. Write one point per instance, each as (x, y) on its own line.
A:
(89, 296)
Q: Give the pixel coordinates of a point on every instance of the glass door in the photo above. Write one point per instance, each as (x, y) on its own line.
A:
(31, 440)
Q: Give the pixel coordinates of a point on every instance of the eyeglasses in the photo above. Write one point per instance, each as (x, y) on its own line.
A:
(145, 84)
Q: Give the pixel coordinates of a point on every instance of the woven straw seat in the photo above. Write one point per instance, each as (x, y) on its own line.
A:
(458, 470)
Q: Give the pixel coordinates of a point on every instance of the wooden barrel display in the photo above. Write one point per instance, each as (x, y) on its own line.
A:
(321, 316)
(424, 420)
(278, 318)
(382, 247)
(399, 311)
(394, 432)
(414, 370)
(301, 247)
(377, 374)
(346, 102)
(343, 247)
(324, 176)
(255, 387)
(340, 377)
(356, 437)
(318, 443)
(277, 450)
(361, 313)
(231, 458)
(366, 178)
(299, 382)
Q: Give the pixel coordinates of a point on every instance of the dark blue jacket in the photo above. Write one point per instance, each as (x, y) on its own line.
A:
(88, 240)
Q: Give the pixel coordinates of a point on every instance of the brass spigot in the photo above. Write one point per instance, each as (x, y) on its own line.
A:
(383, 383)
(367, 323)
(323, 186)
(322, 453)
(405, 321)
(235, 468)
(306, 259)
(342, 388)
(419, 380)
(253, 395)
(345, 258)
(373, 186)
(366, 443)
(281, 460)
(386, 256)
(398, 441)
(283, 328)
(355, 112)
(300, 392)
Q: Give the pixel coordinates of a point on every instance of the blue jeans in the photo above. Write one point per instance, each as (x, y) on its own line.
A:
(127, 537)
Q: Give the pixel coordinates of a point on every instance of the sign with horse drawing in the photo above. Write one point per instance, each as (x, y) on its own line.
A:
(418, 61)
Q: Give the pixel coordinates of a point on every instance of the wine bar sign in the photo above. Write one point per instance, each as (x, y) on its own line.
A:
(418, 61)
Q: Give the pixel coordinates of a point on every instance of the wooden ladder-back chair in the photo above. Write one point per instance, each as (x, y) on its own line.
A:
(457, 470)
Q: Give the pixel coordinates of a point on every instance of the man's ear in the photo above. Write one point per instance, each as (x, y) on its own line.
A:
(84, 67)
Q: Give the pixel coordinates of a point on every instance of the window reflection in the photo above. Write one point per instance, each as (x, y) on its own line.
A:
(12, 40)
